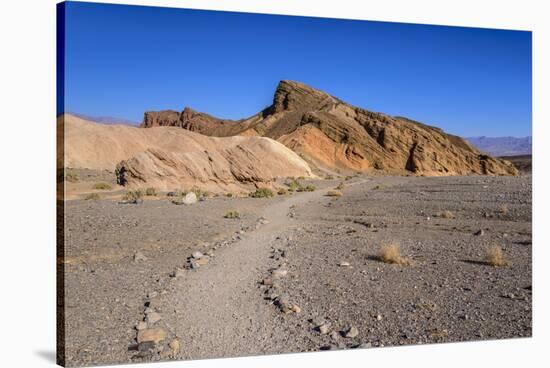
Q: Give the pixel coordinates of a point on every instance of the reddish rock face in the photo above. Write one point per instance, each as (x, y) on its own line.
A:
(333, 135)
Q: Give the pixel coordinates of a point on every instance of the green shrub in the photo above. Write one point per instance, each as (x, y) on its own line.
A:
(229, 195)
(150, 192)
(292, 183)
(232, 215)
(102, 186)
(261, 193)
(92, 196)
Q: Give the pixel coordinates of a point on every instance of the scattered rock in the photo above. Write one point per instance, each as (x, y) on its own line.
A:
(480, 232)
(324, 328)
(141, 326)
(138, 256)
(268, 281)
(151, 334)
(146, 346)
(279, 273)
(153, 318)
(194, 265)
(351, 332)
(203, 261)
(197, 255)
(175, 346)
(296, 309)
(344, 264)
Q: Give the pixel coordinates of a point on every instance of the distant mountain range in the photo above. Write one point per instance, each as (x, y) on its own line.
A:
(503, 146)
(108, 120)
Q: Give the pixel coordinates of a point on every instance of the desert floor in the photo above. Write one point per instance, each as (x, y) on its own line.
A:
(235, 306)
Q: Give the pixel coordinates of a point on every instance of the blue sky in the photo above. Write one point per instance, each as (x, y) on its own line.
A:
(124, 60)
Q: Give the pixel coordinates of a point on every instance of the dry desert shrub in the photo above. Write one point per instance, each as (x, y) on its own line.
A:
(495, 257)
(229, 195)
(71, 177)
(334, 193)
(445, 214)
(232, 215)
(392, 254)
(504, 209)
(307, 188)
(102, 186)
(282, 191)
(150, 192)
(379, 187)
(132, 195)
(340, 186)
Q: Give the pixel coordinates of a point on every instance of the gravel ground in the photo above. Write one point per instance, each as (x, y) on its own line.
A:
(317, 257)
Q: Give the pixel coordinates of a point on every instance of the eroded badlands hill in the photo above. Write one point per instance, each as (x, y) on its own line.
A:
(333, 135)
(169, 158)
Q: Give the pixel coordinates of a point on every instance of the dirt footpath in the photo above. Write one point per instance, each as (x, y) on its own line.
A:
(298, 273)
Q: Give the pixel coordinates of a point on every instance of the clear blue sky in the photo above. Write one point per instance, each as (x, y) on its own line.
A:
(124, 60)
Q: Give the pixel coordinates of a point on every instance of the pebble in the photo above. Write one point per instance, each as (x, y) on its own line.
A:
(344, 264)
(194, 265)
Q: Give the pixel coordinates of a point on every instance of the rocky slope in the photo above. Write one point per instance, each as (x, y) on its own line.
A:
(335, 136)
(169, 158)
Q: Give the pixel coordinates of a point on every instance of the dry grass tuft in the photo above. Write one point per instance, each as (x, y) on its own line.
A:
(92, 197)
(334, 193)
(495, 257)
(102, 186)
(392, 254)
(446, 215)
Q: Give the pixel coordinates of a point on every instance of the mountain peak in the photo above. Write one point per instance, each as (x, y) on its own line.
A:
(292, 95)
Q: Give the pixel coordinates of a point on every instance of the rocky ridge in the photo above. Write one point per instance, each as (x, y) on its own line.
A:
(335, 136)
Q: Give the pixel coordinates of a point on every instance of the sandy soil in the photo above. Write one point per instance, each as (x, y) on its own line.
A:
(327, 245)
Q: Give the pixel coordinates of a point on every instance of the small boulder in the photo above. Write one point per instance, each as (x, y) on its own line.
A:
(190, 198)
